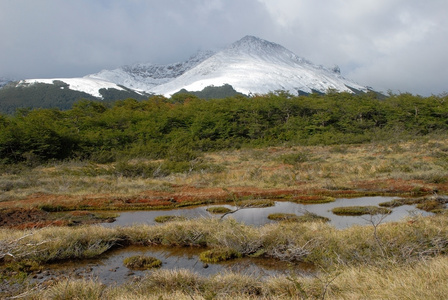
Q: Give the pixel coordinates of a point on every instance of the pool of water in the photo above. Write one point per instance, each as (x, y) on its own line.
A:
(259, 216)
(110, 269)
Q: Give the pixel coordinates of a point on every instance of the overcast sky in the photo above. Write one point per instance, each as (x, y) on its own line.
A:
(398, 45)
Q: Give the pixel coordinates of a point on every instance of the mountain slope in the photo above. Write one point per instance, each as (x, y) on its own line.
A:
(249, 66)
(255, 66)
(146, 76)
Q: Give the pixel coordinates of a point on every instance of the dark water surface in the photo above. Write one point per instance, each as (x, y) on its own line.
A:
(259, 216)
(110, 269)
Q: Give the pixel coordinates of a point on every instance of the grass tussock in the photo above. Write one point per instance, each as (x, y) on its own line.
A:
(360, 210)
(140, 262)
(218, 255)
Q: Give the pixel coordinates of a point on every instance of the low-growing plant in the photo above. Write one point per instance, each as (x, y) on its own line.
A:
(218, 255)
(140, 262)
(360, 210)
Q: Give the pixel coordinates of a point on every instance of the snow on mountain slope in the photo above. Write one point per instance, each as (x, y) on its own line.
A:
(250, 65)
(255, 66)
(4, 81)
(146, 76)
(86, 85)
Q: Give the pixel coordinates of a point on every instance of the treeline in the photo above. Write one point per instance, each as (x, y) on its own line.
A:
(182, 127)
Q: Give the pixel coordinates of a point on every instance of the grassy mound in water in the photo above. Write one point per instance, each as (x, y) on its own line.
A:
(219, 255)
(306, 217)
(164, 219)
(140, 262)
(360, 210)
(218, 210)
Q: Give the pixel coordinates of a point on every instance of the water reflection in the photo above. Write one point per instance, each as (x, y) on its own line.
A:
(109, 269)
(258, 216)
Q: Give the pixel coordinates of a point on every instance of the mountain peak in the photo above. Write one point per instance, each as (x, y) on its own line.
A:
(253, 44)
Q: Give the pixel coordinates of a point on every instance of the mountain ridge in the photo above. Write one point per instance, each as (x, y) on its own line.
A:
(250, 66)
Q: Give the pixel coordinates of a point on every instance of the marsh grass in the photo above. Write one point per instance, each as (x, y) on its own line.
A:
(379, 257)
(313, 242)
(366, 167)
(423, 280)
(360, 210)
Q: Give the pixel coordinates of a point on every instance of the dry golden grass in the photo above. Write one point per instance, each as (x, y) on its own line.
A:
(419, 163)
(423, 280)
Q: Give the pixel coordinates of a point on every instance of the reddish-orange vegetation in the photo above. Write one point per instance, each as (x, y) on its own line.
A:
(31, 212)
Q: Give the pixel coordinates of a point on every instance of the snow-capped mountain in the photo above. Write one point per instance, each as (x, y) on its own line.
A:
(146, 76)
(255, 66)
(250, 65)
(85, 85)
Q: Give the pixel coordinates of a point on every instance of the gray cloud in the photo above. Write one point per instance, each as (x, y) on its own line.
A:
(387, 44)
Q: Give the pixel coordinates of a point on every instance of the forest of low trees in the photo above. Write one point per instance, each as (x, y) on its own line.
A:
(181, 127)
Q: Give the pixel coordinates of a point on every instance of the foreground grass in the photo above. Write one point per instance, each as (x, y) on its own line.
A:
(423, 280)
(352, 263)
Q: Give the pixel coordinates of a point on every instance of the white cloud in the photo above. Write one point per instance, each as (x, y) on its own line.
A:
(376, 42)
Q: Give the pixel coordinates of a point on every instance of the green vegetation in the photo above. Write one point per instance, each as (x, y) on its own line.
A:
(182, 129)
(140, 262)
(360, 210)
(56, 95)
(160, 153)
(209, 92)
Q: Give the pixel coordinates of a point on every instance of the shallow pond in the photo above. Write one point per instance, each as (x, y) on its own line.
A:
(109, 269)
(259, 216)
